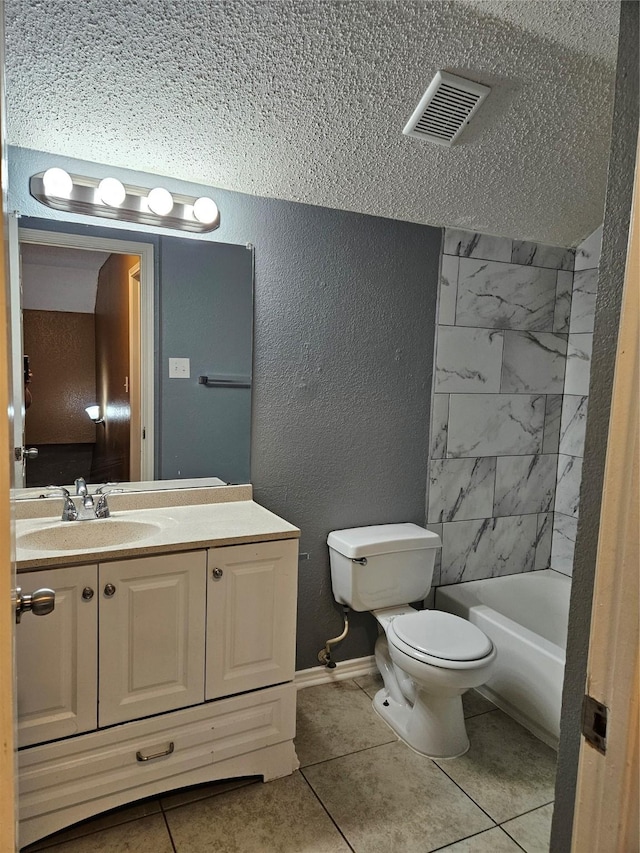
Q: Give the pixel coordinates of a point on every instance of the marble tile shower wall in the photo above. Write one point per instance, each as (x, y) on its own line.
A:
(574, 402)
(498, 419)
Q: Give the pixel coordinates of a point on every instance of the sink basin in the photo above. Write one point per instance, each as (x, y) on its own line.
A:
(86, 535)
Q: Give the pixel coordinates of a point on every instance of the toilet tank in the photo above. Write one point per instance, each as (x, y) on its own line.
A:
(381, 566)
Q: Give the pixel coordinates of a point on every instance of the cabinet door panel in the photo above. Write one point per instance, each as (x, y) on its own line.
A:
(251, 616)
(151, 635)
(56, 657)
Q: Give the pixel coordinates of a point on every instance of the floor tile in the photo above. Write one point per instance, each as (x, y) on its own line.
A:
(146, 834)
(201, 792)
(115, 817)
(491, 841)
(283, 816)
(391, 798)
(532, 830)
(335, 719)
(370, 683)
(472, 702)
(507, 771)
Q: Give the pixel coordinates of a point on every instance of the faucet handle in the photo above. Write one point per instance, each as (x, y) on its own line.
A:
(56, 491)
(69, 510)
(101, 490)
(102, 507)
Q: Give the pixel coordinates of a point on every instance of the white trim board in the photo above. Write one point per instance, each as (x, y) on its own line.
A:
(344, 670)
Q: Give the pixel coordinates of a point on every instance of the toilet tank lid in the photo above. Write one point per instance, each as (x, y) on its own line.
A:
(357, 542)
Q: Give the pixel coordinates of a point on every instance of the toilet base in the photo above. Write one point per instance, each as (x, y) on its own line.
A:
(433, 726)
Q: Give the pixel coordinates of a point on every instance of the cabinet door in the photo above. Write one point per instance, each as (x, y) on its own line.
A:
(251, 616)
(56, 657)
(152, 613)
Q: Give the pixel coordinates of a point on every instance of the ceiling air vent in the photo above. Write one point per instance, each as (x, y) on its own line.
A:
(446, 108)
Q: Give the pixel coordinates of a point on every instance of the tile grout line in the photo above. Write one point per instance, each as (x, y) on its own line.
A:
(515, 841)
(168, 828)
(484, 811)
(355, 752)
(529, 811)
(477, 835)
(327, 812)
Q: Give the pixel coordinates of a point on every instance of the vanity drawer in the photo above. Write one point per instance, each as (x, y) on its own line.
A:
(91, 767)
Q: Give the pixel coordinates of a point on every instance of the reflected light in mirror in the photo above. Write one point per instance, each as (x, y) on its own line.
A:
(94, 414)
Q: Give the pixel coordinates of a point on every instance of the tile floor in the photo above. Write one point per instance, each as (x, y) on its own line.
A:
(358, 789)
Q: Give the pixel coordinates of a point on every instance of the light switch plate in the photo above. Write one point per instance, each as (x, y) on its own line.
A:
(179, 368)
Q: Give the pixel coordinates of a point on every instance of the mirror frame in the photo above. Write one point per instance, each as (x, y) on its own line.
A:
(147, 320)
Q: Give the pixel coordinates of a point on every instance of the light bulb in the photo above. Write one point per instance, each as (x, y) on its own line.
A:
(111, 192)
(160, 201)
(57, 183)
(205, 210)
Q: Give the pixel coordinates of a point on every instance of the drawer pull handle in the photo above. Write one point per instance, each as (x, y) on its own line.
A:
(141, 757)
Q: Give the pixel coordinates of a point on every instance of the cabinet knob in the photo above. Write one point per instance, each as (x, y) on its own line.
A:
(217, 574)
(109, 590)
(87, 593)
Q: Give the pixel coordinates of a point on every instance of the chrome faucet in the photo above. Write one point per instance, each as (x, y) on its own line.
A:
(69, 511)
(84, 509)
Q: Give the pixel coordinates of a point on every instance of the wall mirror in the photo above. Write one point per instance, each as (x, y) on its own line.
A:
(119, 328)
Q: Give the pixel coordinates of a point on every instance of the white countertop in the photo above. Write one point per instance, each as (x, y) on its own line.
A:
(175, 528)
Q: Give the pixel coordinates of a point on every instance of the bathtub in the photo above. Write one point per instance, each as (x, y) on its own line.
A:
(526, 617)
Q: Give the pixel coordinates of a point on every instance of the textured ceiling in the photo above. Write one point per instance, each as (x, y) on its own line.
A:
(305, 100)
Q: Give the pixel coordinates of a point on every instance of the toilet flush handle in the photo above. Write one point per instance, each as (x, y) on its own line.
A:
(362, 561)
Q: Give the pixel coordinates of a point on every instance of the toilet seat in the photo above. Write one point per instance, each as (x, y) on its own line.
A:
(439, 639)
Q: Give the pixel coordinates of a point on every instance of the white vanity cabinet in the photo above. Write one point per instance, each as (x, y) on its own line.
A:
(177, 669)
(152, 629)
(251, 616)
(56, 657)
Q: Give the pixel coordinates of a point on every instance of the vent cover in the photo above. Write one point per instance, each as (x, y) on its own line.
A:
(446, 108)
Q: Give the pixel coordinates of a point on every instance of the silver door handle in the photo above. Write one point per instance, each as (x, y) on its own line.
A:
(168, 751)
(21, 453)
(40, 603)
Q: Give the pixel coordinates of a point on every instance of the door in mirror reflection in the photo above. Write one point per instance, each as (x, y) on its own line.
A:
(81, 337)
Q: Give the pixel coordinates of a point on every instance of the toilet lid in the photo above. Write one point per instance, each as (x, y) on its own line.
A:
(442, 635)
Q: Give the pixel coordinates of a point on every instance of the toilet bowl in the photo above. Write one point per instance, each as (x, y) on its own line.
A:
(427, 658)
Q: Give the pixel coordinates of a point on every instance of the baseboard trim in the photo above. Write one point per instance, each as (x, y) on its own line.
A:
(353, 668)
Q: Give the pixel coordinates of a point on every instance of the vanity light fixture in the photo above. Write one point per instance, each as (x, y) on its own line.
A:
(205, 210)
(111, 199)
(160, 201)
(94, 414)
(57, 183)
(112, 192)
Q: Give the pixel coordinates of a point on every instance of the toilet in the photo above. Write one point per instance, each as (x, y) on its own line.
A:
(427, 658)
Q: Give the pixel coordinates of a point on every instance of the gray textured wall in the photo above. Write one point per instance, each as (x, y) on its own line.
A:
(612, 268)
(345, 321)
(206, 314)
(343, 359)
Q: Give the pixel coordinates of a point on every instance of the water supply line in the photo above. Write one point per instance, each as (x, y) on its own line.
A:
(324, 655)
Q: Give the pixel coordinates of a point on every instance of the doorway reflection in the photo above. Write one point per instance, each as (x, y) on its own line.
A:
(80, 332)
